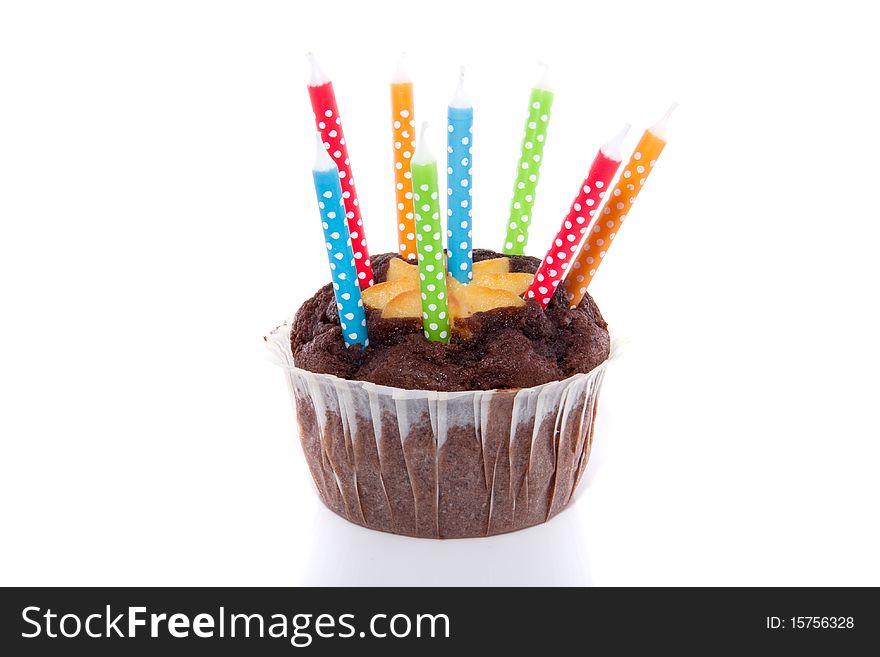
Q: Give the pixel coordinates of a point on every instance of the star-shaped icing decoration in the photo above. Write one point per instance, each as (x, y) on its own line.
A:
(493, 286)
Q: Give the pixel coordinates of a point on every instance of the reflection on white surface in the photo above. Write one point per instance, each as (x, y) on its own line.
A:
(343, 554)
(339, 553)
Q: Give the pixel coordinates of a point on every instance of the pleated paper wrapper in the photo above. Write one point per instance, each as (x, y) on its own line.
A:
(442, 464)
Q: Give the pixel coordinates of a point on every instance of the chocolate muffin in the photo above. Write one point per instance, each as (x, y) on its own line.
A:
(484, 435)
(502, 348)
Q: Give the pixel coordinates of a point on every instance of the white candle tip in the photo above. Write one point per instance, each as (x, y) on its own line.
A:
(423, 154)
(317, 77)
(460, 100)
(544, 81)
(613, 149)
(323, 161)
(659, 128)
(401, 75)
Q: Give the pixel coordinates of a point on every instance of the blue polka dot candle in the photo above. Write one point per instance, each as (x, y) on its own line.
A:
(429, 243)
(460, 117)
(331, 204)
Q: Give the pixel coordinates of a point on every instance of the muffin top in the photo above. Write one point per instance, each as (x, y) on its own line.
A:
(517, 346)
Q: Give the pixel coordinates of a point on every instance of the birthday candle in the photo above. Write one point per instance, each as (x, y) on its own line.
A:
(460, 116)
(615, 210)
(330, 127)
(577, 221)
(528, 168)
(429, 243)
(403, 125)
(352, 318)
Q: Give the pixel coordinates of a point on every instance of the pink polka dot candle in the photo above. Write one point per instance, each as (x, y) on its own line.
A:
(329, 126)
(576, 223)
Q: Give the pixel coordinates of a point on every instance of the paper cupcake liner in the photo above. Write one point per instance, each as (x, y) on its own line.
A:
(442, 464)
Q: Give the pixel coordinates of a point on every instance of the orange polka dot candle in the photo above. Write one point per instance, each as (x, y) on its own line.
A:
(329, 126)
(403, 133)
(576, 223)
(617, 206)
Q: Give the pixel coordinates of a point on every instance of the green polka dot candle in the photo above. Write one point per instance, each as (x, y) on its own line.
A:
(528, 168)
(429, 242)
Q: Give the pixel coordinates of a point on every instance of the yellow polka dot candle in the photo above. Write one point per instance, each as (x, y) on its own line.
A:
(529, 167)
(617, 205)
(429, 243)
(403, 133)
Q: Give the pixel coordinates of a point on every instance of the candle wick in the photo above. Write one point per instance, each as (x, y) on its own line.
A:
(323, 161)
(460, 101)
(318, 77)
(613, 149)
(401, 76)
(659, 128)
(544, 80)
(423, 154)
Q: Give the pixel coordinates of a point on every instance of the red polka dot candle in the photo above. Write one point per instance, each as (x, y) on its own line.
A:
(329, 126)
(615, 210)
(576, 223)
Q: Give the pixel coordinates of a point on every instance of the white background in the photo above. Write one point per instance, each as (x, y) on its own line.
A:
(158, 219)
